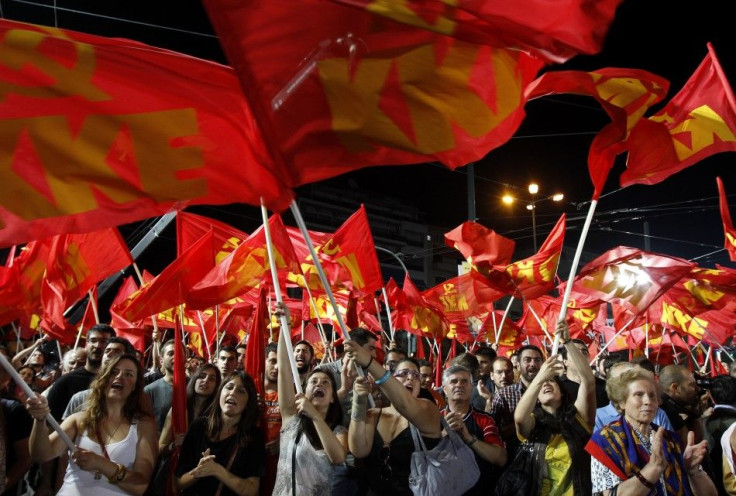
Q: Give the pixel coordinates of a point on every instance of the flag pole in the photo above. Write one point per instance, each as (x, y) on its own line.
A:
(204, 333)
(94, 306)
(503, 319)
(573, 271)
(609, 342)
(388, 313)
(378, 316)
(320, 328)
(323, 278)
(285, 328)
(29, 393)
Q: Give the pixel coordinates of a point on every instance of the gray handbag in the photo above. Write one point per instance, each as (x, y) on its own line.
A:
(449, 468)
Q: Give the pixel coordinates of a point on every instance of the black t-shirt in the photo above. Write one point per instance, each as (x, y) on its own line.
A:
(65, 387)
(18, 426)
(601, 397)
(249, 462)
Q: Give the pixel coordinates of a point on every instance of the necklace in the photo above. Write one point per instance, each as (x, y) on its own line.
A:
(115, 431)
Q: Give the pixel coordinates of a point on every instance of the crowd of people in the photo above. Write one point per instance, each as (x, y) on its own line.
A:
(537, 423)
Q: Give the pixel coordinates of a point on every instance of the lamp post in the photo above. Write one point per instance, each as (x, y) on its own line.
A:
(533, 190)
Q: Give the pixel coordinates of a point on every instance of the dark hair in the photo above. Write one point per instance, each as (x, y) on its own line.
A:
(102, 328)
(129, 348)
(468, 361)
(645, 363)
(248, 418)
(400, 351)
(228, 349)
(423, 363)
(272, 348)
(563, 349)
(361, 336)
(241, 345)
(333, 418)
(612, 360)
(529, 347)
(486, 352)
(411, 360)
(566, 411)
(308, 344)
(723, 389)
(191, 393)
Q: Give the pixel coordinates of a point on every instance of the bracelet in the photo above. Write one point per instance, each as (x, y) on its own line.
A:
(384, 378)
(368, 365)
(116, 477)
(472, 441)
(643, 480)
(696, 472)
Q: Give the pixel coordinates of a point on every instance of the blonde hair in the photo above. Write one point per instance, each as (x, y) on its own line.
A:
(617, 387)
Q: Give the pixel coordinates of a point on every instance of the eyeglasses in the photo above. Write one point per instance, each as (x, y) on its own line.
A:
(384, 470)
(412, 374)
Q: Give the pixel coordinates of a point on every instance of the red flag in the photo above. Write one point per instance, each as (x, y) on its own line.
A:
(625, 95)
(696, 123)
(556, 32)
(533, 276)
(190, 228)
(246, 267)
(464, 296)
(99, 132)
(10, 295)
(480, 245)
(179, 420)
(170, 287)
(348, 258)
(728, 229)
(413, 312)
(255, 352)
(76, 263)
(356, 90)
(634, 278)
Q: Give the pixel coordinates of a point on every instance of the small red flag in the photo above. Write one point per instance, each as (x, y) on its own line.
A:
(255, 352)
(480, 245)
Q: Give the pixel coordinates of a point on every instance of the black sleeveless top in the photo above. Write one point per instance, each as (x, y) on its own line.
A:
(389, 467)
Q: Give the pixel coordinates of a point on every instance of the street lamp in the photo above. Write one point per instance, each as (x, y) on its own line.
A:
(533, 190)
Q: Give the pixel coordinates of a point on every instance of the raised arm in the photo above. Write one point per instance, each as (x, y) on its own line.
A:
(523, 413)
(362, 426)
(585, 402)
(285, 386)
(44, 446)
(423, 414)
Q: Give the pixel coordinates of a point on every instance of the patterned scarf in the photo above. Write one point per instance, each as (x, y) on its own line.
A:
(619, 448)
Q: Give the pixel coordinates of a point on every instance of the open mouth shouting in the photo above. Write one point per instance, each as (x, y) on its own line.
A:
(117, 386)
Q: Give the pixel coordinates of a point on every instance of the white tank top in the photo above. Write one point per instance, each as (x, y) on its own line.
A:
(78, 481)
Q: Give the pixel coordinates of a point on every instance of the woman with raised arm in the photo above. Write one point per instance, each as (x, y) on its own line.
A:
(312, 436)
(116, 436)
(547, 416)
(224, 452)
(382, 435)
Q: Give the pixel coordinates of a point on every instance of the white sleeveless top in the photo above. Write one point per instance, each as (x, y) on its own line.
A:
(78, 481)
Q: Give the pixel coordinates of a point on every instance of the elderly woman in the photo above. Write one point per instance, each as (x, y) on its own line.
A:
(115, 436)
(632, 455)
(547, 416)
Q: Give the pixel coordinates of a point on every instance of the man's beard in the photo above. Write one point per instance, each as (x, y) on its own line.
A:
(304, 368)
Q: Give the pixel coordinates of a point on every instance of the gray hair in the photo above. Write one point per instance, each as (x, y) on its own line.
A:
(454, 369)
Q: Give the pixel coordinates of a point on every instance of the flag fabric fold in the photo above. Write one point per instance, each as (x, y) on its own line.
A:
(728, 230)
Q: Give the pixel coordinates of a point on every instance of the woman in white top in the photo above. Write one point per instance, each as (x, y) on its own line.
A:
(116, 436)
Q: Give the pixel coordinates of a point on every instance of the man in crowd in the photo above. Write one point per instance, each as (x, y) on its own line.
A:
(681, 401)
(426, 374)
(506, 399)
(571, 379)
(73, 359)
(240, 349)
(502, 375)
(227, 360)
(271, 418)
(723, 393)
(161, 390)
(474, 426)
(393, 357)
(485, 356)
(304, 358)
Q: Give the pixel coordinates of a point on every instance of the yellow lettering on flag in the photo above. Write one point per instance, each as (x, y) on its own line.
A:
(703, 125)
(359, 116)
(19, 51)
(704, 293)
(85, 154)
(75, 267)
(400, 10)
(622, 92)
(675, 317)
(350, 263)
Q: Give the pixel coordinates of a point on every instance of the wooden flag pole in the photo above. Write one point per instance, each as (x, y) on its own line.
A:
(323, 278)
(204, 334)
(94, 306)
(388, 313)
(503, 319)
(285, 331)
(611, 341)
(573, 271)
(29, 392)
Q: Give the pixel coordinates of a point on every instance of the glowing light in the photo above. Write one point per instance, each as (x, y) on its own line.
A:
(508, 199)
(557, 197)
(530, 206)
(534, 188)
